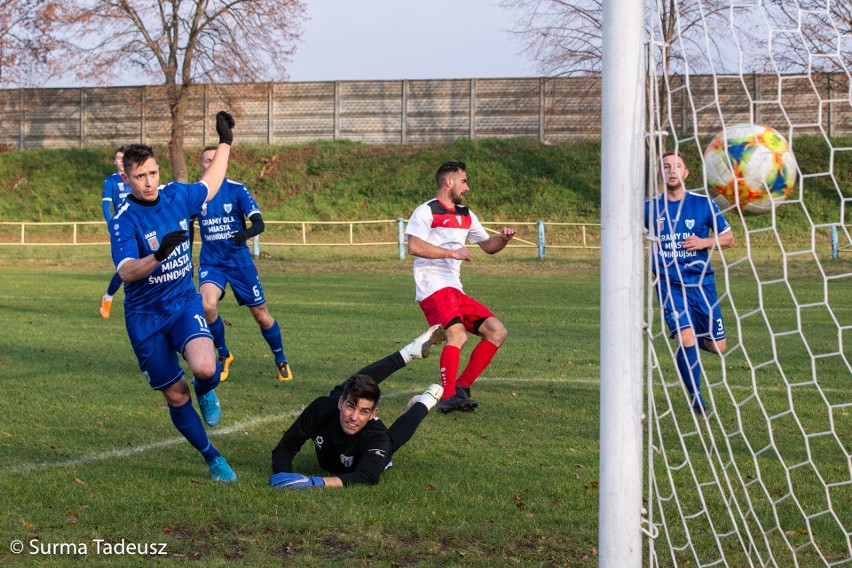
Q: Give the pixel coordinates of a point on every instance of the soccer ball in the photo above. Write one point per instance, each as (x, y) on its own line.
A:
(750, 166)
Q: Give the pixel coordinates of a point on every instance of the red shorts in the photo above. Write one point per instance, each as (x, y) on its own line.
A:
(447, 304)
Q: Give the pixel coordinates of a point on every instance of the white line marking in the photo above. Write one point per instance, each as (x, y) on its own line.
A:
(250, 424)
(214, 433)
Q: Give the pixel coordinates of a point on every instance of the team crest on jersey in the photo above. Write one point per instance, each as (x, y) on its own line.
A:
(459, 219)
(690, 223)
(660, 221)
(228, 207)
(183, 224)
(204, 274)
(204, 209)
(346, 460)
(318, 442)
(151, 238)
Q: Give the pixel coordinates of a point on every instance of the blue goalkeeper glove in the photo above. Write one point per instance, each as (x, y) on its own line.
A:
(294, 481)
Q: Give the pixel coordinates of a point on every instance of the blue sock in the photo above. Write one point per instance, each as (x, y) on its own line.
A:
(273, 338)
(202, 387)
(188, 423)
(690, 372)
(217, 328)
(114, 285)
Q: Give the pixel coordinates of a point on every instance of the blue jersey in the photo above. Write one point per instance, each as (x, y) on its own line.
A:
(136, 231)
(220, 217)
(674, 221)
(115, 192)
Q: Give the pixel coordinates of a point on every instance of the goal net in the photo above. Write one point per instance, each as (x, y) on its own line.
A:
(765, 477)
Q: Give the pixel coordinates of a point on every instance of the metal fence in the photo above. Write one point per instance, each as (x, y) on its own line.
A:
(536, 235)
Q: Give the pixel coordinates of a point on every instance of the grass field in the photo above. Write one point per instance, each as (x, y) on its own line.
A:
(88, 451)
(89, 456)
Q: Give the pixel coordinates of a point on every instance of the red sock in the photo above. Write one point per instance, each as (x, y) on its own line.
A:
(450, 357)
(479, 360)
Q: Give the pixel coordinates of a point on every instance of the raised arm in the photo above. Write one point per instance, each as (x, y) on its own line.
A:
(215, 174)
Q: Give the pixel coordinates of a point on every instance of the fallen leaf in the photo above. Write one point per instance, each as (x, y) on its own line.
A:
(79, 481)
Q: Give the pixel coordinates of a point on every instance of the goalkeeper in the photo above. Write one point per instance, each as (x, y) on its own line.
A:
(350, 441)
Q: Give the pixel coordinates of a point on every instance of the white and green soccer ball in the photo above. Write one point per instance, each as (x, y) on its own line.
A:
(750, 166)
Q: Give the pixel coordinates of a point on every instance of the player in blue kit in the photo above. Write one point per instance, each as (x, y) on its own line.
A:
(113, 196)
(683, 223)
(163, 310)
(225, 259)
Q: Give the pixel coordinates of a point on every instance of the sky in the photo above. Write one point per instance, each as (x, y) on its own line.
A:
(407, 39)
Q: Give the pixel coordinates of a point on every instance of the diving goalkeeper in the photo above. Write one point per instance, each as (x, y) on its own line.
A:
(350, 441)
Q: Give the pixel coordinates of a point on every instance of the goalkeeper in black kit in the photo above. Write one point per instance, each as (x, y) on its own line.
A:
(350, 441)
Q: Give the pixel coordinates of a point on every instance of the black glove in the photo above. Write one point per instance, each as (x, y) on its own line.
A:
(240, 237)
(224, 124)
(170, 243)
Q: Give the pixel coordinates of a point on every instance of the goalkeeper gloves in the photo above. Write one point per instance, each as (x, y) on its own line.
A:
(169, 244)
(294, 481)
(224, 124)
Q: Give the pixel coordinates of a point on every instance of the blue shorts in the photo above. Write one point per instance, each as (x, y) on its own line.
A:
(157, 340)
(699, 309)
(244, 282)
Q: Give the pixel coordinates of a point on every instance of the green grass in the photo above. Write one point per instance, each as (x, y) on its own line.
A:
(87, 450)
(476, 489)
(511, 180)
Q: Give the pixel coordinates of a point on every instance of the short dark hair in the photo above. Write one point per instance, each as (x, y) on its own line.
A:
(119, 149)
(208, 148)
(359, 387)
(448, 168)
(673, 153)
(135, 155)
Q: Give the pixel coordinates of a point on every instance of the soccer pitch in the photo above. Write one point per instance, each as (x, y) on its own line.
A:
(90, 462)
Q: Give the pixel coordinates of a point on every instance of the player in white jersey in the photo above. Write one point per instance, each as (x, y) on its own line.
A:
(114, 193)
(683, 223)
(162, 309)
(437, 232)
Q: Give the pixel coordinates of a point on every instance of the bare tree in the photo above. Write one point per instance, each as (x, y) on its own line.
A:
(565, 37)
(811, 34)
(25, 41)
(182, 42)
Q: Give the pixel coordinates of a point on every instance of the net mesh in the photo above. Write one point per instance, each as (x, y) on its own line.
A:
(766, 479)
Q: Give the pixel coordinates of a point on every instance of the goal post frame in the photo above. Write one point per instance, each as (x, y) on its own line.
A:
(622, 284)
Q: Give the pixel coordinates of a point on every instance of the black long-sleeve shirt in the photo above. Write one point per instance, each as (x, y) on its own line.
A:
(360, 458)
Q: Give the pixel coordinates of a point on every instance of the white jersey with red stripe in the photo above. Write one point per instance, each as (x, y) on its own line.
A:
(445, 228)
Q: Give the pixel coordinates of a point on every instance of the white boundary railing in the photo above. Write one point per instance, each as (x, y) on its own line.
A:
(27, 233)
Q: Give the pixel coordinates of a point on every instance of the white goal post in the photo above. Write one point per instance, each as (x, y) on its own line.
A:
(765, 478)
